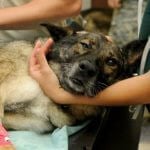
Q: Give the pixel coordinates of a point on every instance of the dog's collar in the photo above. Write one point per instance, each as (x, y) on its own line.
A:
(64, 106)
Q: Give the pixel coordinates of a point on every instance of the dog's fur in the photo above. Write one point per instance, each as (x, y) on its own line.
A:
(85, 63)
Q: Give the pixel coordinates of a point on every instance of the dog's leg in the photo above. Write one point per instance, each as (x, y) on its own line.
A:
(5, 144)
(1, 109)
(26, 122)
(58, 117)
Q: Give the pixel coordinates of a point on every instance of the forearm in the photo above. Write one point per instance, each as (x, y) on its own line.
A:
(38, 11)
(131, 91)
(134, 90)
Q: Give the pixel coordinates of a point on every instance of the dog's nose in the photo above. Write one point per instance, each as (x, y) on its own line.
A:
(87, 69)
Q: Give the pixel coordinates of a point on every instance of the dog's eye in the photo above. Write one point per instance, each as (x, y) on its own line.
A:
(111, 62)
(85, 45)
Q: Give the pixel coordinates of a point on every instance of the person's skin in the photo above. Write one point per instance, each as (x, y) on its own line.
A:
(106, 3)
(38, 11)
(114, 3)
(134, 90)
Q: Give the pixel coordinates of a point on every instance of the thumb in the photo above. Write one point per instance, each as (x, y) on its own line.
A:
(41, 58)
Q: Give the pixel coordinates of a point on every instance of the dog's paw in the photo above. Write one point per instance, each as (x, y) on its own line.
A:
(64, 120)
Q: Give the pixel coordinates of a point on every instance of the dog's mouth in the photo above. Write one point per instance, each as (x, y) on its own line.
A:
(75, 85)
(76, 81)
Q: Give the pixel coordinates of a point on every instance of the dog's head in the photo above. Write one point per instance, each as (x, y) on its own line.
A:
(88, 62)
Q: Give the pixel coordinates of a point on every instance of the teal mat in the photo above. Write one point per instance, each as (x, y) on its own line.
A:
(57, 140)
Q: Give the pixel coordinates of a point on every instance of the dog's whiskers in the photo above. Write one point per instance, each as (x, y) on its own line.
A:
(94, 88)
(66, 66)
(97, 87)
(103, 85)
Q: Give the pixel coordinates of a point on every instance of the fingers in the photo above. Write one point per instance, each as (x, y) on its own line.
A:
(32, 59)
(40, 53)
(47, 46)
(37, 45)
(41, 58)
(114, 3)
(37, 57)
(117, 4)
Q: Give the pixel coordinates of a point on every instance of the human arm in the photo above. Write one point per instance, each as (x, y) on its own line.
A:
(130, 91)
(36, 12)
(134, 90)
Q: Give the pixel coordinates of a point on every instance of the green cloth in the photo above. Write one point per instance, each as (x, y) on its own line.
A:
(145, 26)
(145, 31)
(147, 66)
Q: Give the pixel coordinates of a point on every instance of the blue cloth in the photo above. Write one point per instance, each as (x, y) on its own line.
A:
(57, 140)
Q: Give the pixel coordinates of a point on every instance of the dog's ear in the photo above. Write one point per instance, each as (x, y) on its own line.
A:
(58, 32)
(133, 52)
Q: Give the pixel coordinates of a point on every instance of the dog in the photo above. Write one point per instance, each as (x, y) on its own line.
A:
(85, 64)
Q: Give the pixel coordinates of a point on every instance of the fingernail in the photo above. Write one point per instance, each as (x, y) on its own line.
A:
(38, 43)
(50, 40)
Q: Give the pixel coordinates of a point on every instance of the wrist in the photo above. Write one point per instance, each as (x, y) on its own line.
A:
(55, 92)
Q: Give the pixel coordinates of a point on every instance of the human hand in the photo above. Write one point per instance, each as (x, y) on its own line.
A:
(44, 75)
(38, 65)
(114, 3)
(39, 68)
